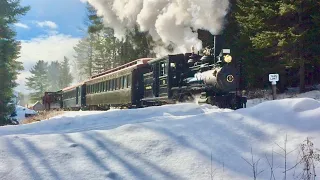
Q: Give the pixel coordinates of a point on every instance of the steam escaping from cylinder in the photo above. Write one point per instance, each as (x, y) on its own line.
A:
(170, 22)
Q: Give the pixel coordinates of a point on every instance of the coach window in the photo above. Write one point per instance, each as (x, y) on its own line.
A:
(163, 68)
(129, 81)
(112, 84)
(117, 83)
(125, 85)
(106, 85)
(97, 87)
(121, 82)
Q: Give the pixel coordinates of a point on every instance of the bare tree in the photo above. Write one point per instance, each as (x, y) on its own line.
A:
(309, 157)
(254, 166)
(271, 166)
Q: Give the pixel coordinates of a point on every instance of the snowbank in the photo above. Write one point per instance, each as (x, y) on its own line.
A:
(315, 94)
(183, 141)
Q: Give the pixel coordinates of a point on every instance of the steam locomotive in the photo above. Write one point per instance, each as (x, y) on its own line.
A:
(211, 78)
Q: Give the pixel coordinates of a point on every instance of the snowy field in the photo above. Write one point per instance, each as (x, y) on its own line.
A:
(183, 141)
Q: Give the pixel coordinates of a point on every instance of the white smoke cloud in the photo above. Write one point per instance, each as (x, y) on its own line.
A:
(168, 21)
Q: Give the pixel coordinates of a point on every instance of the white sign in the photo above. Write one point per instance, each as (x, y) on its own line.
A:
(226, 51)
(273, 77)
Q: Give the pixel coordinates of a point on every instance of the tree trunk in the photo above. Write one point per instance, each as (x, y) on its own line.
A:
(301, 58)
(302, 76)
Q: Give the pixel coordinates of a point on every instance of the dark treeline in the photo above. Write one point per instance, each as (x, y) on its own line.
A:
(9, 53)
(276, 36)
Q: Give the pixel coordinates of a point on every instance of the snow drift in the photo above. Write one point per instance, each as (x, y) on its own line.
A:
(183, 141)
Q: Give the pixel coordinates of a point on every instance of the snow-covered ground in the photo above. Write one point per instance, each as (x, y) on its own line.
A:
(183, 141)
(21, 111)
(311, 94)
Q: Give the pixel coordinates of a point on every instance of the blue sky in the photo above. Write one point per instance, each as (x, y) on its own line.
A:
(48, 32)
(69, 15)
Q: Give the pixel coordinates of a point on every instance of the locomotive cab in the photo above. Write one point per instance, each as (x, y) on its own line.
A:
(165, 73)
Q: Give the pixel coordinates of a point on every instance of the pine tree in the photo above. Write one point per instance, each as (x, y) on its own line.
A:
(84, 58)
(100, 50)
(65, 75)
(38, 82)
(9, 51)
(54, 74)
(282, 31)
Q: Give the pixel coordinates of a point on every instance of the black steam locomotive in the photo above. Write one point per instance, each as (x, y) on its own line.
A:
(211, 78)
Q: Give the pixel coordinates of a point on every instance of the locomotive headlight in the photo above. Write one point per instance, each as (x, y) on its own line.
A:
(227, 58)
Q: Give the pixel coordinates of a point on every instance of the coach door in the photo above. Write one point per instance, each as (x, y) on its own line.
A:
(163, 79)
(77, 95)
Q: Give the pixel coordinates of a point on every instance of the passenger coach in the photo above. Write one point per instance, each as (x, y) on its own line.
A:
(118, 87)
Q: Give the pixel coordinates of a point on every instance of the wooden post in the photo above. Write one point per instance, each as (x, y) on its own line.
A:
(274, 90)
(273, 78)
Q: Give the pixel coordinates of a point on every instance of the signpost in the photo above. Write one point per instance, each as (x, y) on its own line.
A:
(273, 78)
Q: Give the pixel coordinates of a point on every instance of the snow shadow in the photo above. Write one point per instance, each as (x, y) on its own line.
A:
(33, 163)
(71, 122)
(133, 162)
(227, 143)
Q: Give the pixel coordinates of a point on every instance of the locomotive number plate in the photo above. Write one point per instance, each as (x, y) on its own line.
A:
(230, 78)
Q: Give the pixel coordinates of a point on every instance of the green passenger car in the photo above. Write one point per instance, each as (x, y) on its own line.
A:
(120, 88)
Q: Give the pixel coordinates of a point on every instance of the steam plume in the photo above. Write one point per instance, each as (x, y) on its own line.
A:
(167, 21)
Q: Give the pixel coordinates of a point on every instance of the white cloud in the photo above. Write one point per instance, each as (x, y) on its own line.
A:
(83, 1)
(21, 25)
(49, 24)
(49, 48)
